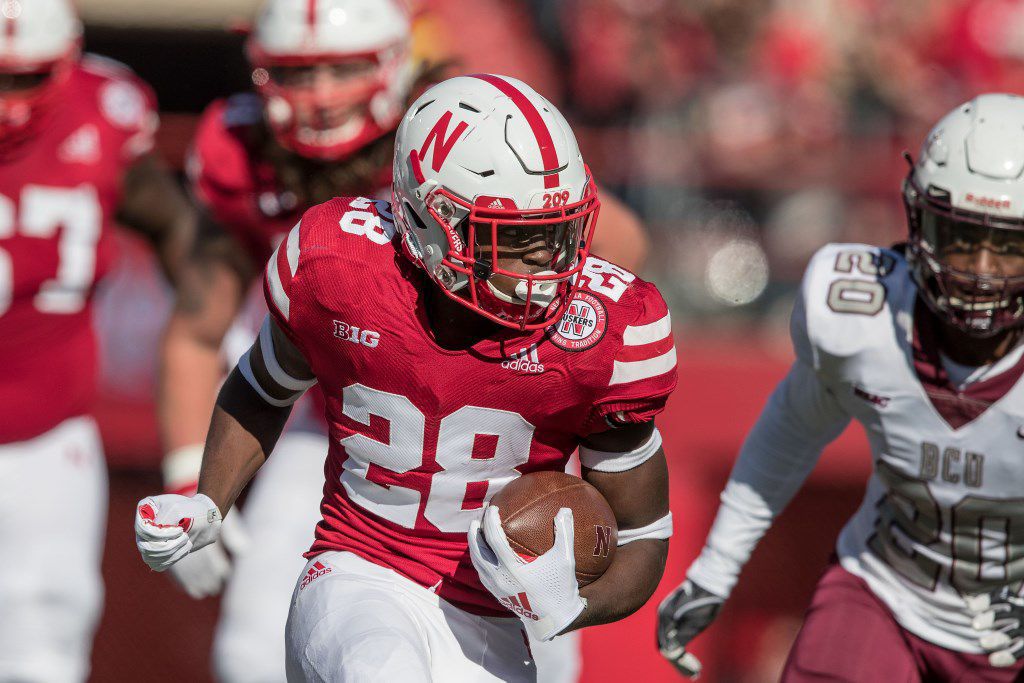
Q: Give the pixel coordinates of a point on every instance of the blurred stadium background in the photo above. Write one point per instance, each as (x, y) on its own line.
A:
(746, 133)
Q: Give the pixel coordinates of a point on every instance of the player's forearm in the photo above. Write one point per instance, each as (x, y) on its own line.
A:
(243, 432)
(628, 583)
(190, 371)
(778, 455)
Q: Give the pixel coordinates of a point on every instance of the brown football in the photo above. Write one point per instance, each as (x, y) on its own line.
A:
(528, 506)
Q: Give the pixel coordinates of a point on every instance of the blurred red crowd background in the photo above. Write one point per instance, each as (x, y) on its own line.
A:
(746, 133)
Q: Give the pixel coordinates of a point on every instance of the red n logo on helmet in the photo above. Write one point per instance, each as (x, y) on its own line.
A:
(441, 141)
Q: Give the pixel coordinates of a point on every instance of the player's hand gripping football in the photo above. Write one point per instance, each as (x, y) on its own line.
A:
(682, 615)
(543, 591)
(999, 619)
(169, 527)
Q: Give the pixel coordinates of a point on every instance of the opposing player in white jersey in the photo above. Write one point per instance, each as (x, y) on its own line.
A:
(921, 344)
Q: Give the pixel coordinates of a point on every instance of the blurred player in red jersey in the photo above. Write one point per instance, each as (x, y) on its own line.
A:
(332, 78)
(462, 335)
(75, 140)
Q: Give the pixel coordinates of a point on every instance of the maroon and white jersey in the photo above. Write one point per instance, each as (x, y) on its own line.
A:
(59, 192)
(943, 514)
(421, 436)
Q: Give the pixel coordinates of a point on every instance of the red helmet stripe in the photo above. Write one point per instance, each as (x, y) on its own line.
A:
(311, 16)
(548, 155)
(10, 28)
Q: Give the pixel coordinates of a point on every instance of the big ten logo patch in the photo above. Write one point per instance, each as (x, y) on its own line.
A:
(355, 335)
(582, 325)
(603, 543)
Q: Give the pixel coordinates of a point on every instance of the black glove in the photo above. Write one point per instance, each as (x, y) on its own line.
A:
(999, 616)
(682, 615)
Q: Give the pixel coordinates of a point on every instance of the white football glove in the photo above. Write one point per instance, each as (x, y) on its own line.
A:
(170, 526)
(542, 591)
(999, 619)
(203, 573)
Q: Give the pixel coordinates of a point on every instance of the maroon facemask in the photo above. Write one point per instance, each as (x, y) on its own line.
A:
(979, 305)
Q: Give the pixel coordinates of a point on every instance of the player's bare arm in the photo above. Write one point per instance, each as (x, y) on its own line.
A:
(154, 206)
(639, 498)
(212, 285)
(245, 424)
(251, 411)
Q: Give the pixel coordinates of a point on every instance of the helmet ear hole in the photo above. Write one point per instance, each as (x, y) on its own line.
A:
(415, 216)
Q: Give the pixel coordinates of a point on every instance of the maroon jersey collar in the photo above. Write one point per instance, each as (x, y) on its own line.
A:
(956, 407)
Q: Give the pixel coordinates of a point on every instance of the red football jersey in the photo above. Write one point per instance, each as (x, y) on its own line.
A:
(58, 196)
(422, 436)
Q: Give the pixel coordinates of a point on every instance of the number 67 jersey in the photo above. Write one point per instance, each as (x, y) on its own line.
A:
(422, 436)
(943, 515)
(59, 191)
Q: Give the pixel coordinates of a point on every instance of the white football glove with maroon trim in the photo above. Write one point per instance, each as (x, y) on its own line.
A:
(543, 591)
(169, 527)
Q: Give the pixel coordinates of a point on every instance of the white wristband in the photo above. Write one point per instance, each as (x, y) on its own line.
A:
(181, 467)
(604, 461)
(658, 530)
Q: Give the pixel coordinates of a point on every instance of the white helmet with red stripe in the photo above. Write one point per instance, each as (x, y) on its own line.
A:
(334, 120)
(36, 34)
(483, 163)
(39, 39)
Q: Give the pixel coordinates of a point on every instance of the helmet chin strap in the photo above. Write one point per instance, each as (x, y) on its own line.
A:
(543, 292)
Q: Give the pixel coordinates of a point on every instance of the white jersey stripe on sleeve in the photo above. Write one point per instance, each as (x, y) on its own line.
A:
(293, 249)
(277, 292)
(649, 333)
(633, 371)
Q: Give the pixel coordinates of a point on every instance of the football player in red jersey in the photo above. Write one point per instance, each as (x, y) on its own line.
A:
(333, 78)
(407, 315)
(75, 140)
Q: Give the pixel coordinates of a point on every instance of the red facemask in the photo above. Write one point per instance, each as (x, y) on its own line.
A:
(328, 119)
(23, 112)
(539, 299)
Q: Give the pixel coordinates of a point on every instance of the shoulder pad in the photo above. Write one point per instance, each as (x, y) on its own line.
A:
(850, 298)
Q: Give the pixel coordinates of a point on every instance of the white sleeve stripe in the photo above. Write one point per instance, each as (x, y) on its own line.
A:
(658, 530)
(277, 292)
(292, 248)
(277, 373)
(633, 371)
(604, 461)
(649, 333)
(246, 369)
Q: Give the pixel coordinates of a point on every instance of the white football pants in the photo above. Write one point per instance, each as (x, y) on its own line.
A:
(53, 514)
(355, 622)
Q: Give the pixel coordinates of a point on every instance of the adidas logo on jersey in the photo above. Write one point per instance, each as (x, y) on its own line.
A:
(520, 605)
(81, 147)
(315, 572)
(526, 361)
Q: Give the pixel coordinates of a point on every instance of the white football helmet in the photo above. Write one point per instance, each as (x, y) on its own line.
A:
(967, 189)
(332, 121)
(479, 160)
(40, 41)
